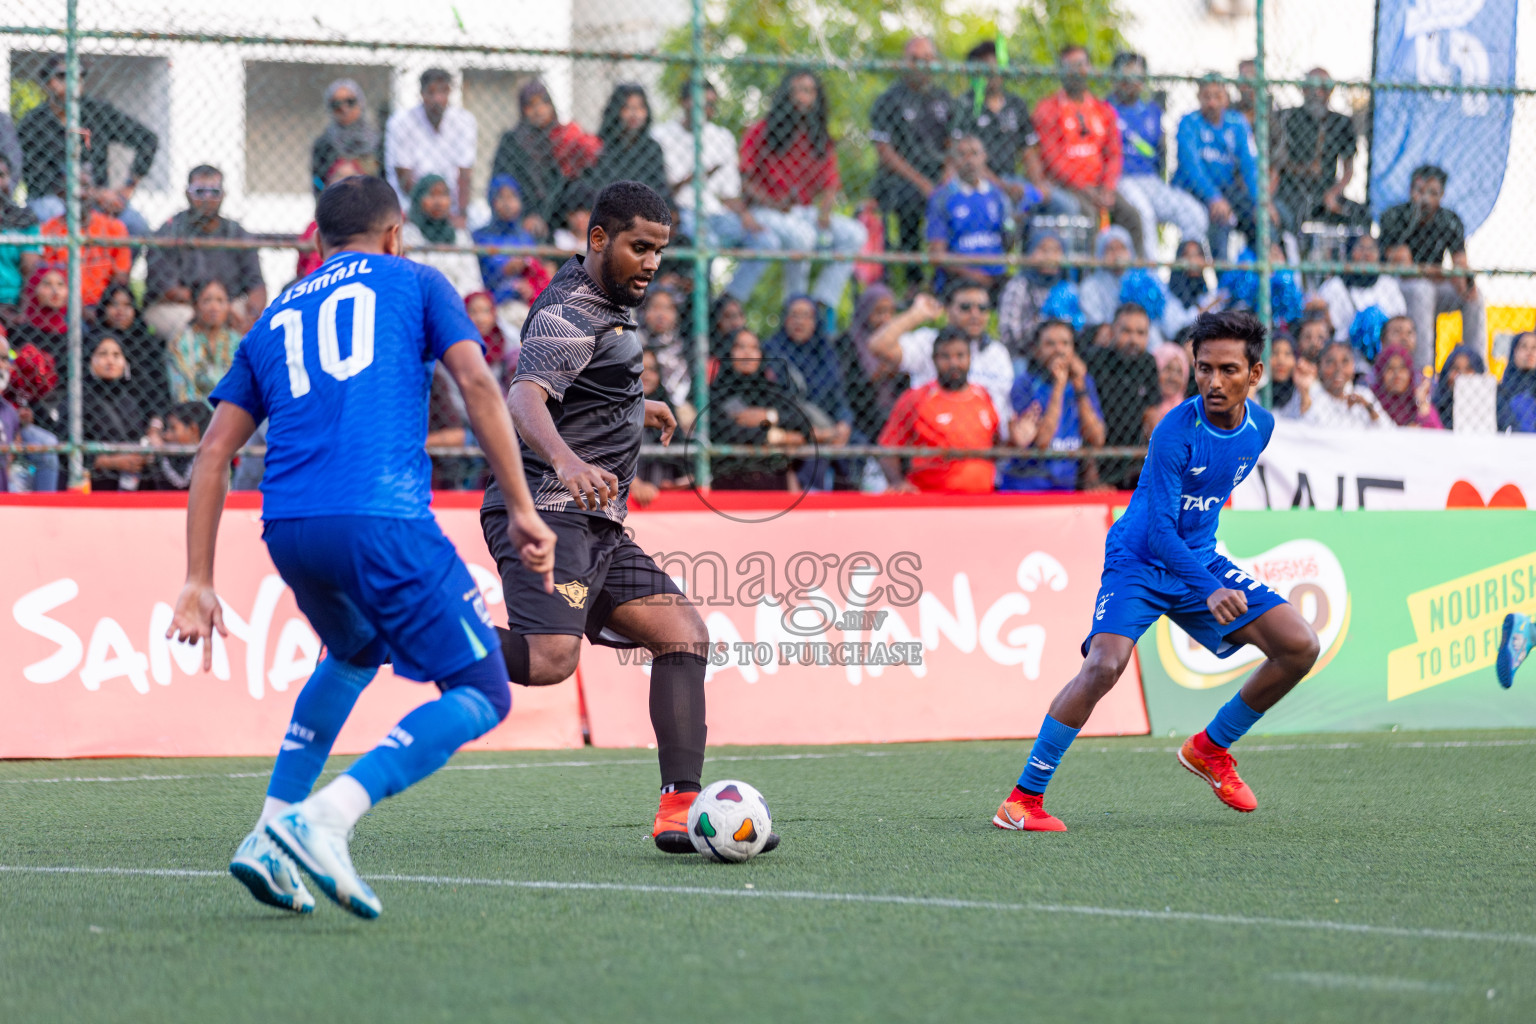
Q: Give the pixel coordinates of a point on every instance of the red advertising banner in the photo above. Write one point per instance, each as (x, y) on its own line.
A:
(885, 624)
(85, 670)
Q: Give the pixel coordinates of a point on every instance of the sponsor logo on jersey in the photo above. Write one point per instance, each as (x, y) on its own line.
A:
(1193, 502)
(1196, 470)
(1103, 602)
(574, 592)
(1242, 471)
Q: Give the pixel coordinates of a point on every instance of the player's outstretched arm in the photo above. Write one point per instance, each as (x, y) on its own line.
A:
(591, 486)
(197, 612)
(535, 542)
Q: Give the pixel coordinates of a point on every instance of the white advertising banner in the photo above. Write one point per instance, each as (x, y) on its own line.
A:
(1406, 468)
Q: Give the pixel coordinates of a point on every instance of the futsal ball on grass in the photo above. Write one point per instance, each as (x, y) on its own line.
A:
(729, 822)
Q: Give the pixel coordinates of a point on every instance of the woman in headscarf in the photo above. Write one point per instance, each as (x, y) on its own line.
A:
(749, 405)
(17, 262)
(727, 316)
(661, 331)
(542, 155)
(116, 314)
(111, 414)
(1282, 366)
(206, 348)
(1189, 294)
(44, 321)
(869, 380)
(1100, 290)
(1463, 360)
(515, 280)
(428, 224)
(351, 135)
(1172, 380)
(1405, 403)
(1364, 286)
(1019, 308)
(1517, 391)
(800, 351)
(629, 152)
(501, 342)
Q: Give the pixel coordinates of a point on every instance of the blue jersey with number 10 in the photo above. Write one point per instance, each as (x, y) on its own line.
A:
(341, 368)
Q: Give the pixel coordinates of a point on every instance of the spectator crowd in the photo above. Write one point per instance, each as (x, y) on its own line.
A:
(1079, 346)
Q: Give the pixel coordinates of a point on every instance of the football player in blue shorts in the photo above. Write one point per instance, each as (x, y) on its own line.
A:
(341, 366)
(1160, 559)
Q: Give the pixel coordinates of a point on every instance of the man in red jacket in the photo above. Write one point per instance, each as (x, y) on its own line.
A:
(1080, 145)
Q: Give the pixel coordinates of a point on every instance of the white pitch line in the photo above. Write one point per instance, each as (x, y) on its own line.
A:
(1367, 983)
(934, 902)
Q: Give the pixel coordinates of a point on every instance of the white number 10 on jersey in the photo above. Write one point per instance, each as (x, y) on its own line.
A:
(291, 321)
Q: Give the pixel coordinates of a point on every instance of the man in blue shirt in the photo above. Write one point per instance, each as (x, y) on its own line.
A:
(1054, 408)
(1218, 165)
(341, 368)
(968, 216)
(1145, 158)
(1160, 559)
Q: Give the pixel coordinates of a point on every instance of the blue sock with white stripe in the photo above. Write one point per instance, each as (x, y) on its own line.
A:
(318, 715)
(1050, 746)
(1233, 720)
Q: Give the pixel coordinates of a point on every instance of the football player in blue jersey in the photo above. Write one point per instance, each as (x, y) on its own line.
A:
(1160, 559)
(341, 368)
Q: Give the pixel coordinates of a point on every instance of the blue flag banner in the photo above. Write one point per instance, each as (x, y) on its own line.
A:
(1443, 42)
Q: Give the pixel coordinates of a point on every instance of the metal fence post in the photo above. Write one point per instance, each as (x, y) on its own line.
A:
(77, 475)
(1261, 129)
(702, 251)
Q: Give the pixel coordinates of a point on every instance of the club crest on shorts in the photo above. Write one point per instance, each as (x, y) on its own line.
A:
(574, 592)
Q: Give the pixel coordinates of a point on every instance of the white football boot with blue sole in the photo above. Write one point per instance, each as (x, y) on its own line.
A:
(1516, 643)
(263, 868)
(320, 848)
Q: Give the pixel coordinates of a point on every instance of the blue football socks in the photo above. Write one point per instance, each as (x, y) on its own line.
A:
(318, 715)
(424, 741)
(1233, 720)
(1050, 746)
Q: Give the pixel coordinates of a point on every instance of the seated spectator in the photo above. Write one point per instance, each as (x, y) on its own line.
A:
(906, 346)
(802, 354)
(652, 476)
(1312, 336)
(100, 265)
(42, 135)
(309, 248)
(1431, 233)
(1024, 297)
(1000, 119)
(789, 172)
(432, 138)
(1172, 385)
(430, 222)
(1218, 166)
(909, 125)
(1287, 301)
(351, 137)
(1314, 158)
(656, 391)
(1517, 390)
(44, 320)
(947, 412)
(543, 156)
(1189, 294)
(1126, 376)
(661, 331)
(575, 214)
(1100, 290)
(513, 280)
(1365, 286)
(1329, 397)
(448, 427)
(750, 405)
(502, 346)
(174, 270)
(967, 216)
(205, 349)
(1055, 408)
(110, 413)
(1282, 364)
(1407, 404)
(1464, 360)
(1145, 160)
(34, 471)
(727, 222)
(117, 315)
(727, 318)
(1080, 146)
(10, 155)
(185, 424)
(17, 262)
(870, 381)
(629, 153)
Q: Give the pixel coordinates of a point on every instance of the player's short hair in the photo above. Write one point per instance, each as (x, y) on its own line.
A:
(1129, 308)
(432, 75)
(947, 335)
(1429, 172)
(353, 207)
(193, 414)
(1230, 325)
(622, 203)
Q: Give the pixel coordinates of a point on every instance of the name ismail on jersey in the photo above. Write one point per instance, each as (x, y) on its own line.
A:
(314, 284)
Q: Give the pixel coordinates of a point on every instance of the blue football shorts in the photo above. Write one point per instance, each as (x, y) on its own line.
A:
(1133, 596)
(401, 580)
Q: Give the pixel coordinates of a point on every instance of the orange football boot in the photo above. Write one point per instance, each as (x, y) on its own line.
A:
(1022, 812)
(1215, 765)
(671, 829)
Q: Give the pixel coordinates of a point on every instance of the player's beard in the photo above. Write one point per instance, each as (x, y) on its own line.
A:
(618, 290)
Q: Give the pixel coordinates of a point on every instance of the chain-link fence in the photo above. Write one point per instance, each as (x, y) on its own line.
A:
(943, 250)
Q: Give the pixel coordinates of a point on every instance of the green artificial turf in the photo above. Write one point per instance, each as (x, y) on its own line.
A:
(1427, 842)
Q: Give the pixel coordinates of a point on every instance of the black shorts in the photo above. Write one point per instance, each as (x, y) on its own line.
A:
(597, 568)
